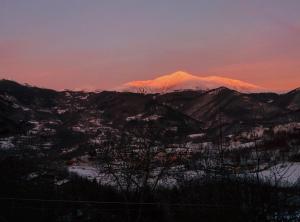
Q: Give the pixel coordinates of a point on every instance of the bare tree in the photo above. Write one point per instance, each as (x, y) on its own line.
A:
(138, 159)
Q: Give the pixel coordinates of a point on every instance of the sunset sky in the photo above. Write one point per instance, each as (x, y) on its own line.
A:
(100, 44)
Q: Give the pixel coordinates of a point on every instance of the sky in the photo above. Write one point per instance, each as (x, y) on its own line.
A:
(100, 44)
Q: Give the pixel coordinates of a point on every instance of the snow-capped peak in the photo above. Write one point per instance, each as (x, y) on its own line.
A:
(184, 81)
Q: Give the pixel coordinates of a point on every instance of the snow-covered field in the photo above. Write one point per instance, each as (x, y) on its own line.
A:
(173, 177)
(92, 173)
(6, 143)
(285, 174)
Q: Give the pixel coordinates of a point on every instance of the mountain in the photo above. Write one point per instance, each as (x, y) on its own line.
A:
(192, 109)
(67, 114)
(28, 95)
(228, 102)
(183, 81)
(290, 100)
(58, 128)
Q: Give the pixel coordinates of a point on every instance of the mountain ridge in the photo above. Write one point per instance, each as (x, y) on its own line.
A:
(22, 104)
(181, 80)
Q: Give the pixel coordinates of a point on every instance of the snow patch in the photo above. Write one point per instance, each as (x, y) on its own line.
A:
(6, 143)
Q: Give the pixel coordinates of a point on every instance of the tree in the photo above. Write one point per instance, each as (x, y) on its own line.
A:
(138, 159)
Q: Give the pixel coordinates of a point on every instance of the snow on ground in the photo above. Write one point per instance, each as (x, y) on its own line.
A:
(197, 135)
(96, 141)
(45, 110)
(61, 182)
(68, 94)
(78, 129)
(61, 111)
(170, 180)
(238, 145)
(136, 117)
(85, 97)
(95, 121)
(8, 98)
(17, 106)
(256, 132)
(14, 102)
(146, 119)
(285, 174)
(37, 127)
(68, 150)
(32, 176)
(152, 118)
(6, 143)
(92, 173)
(84, 171)
(286, 127)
